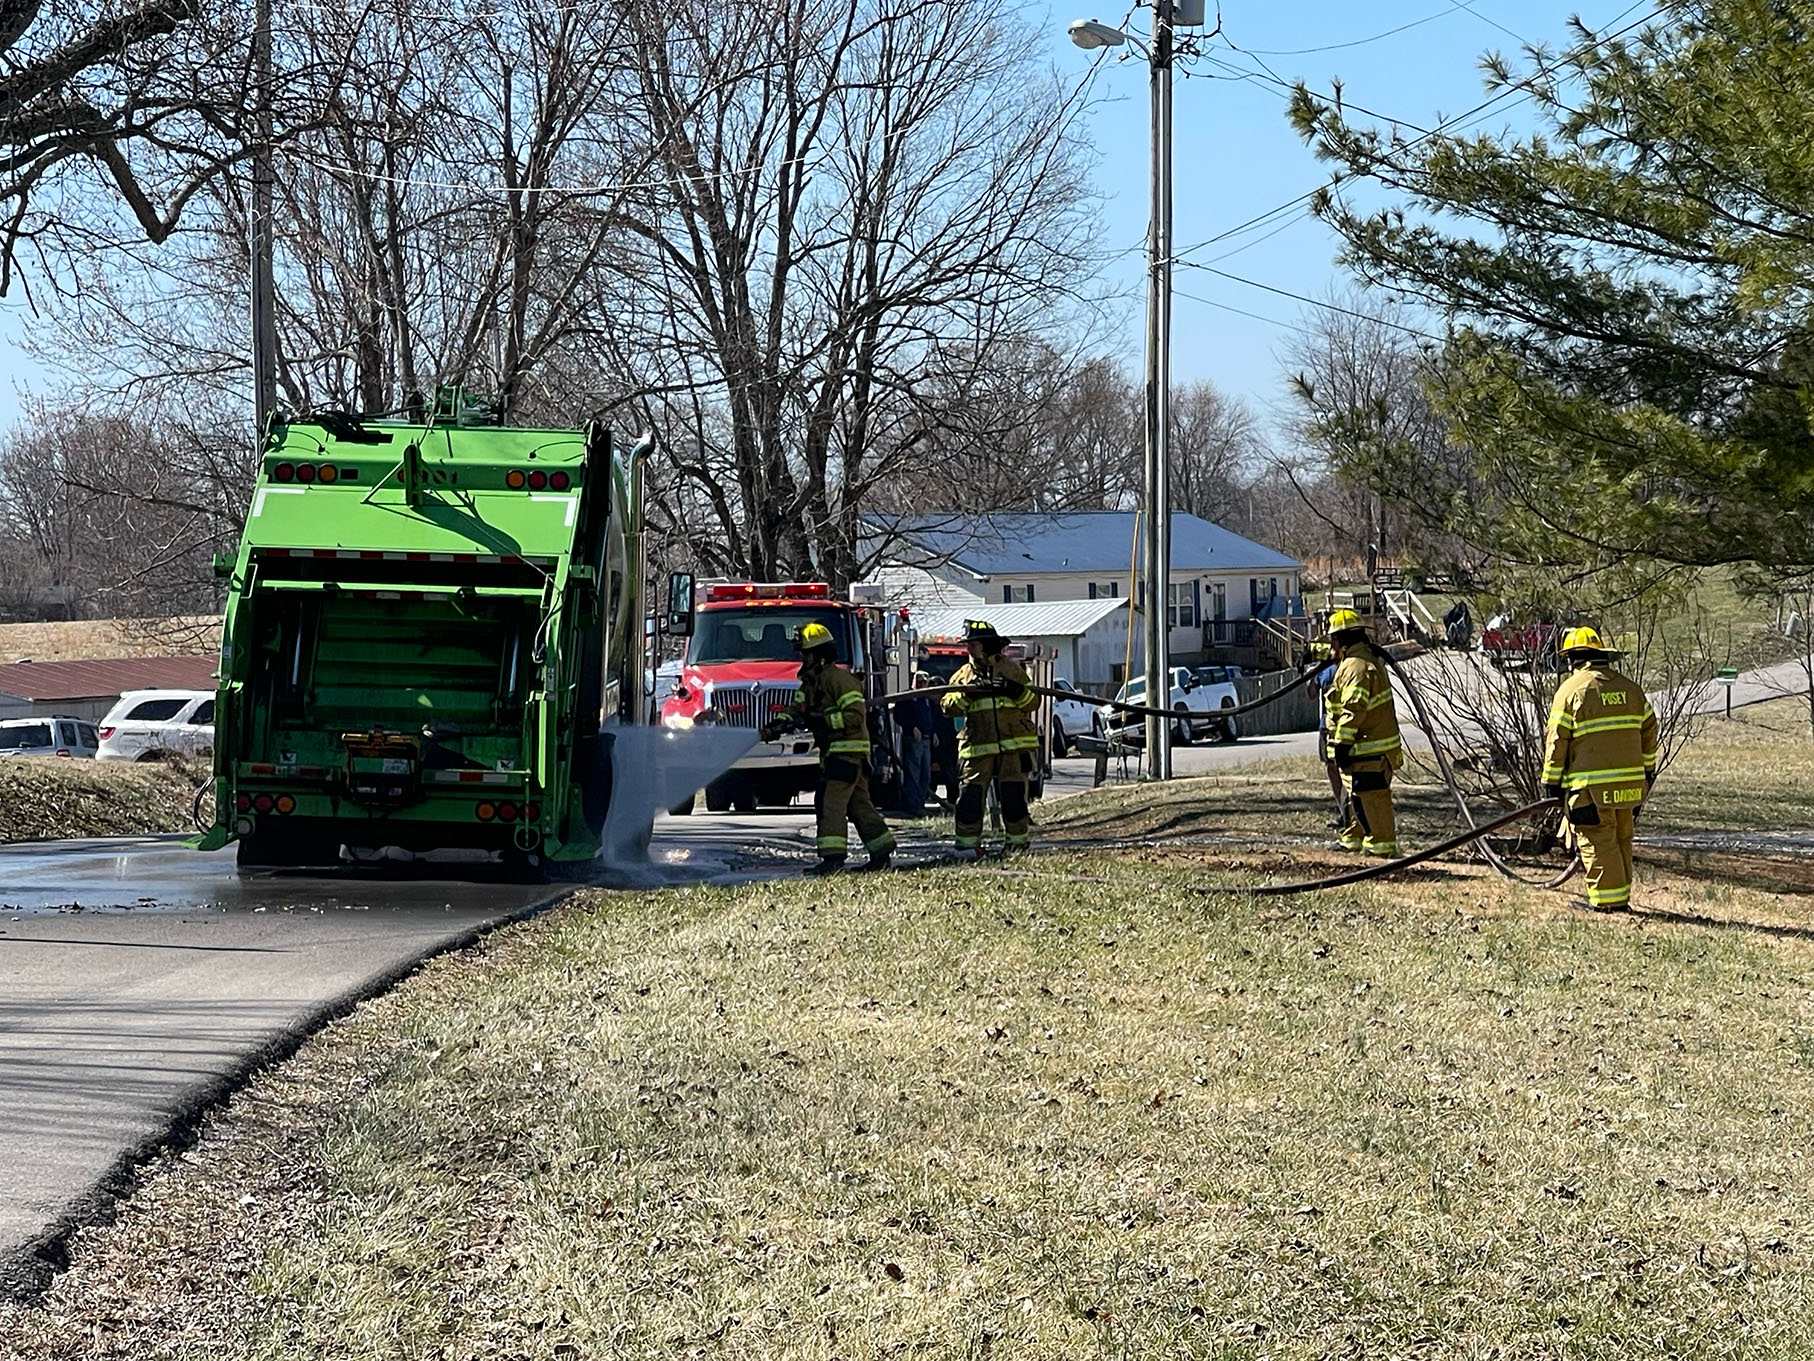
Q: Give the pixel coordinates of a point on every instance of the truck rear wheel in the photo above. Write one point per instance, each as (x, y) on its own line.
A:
(717, 797)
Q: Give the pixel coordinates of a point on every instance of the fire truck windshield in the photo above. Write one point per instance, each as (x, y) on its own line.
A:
(761, 633)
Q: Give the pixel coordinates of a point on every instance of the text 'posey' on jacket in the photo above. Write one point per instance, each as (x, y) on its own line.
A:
(1602, 738)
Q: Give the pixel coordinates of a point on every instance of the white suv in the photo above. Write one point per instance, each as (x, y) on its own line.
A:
(47, 737)
(147, 725)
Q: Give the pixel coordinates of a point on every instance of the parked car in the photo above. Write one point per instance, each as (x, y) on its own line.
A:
(148, 725)
(48, 737)
(1070, 717)
(1197, 706)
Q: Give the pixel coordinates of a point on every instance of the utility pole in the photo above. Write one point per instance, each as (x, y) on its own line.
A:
(264, 286)
(1158, 404)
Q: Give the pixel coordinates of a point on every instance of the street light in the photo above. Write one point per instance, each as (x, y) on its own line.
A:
(1090, 35)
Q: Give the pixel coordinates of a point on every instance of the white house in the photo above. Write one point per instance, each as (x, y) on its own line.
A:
(1220, 582)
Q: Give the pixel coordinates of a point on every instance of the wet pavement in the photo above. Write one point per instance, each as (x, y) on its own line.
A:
(139, 981)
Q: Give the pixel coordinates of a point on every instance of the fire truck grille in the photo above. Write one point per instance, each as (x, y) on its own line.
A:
(750, 705)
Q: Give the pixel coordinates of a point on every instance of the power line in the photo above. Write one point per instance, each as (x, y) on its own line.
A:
(1243, 312)
(1521, 88)
(1359, 42)
(1311, 302)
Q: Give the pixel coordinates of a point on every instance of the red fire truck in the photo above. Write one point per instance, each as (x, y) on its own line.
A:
(741, 669)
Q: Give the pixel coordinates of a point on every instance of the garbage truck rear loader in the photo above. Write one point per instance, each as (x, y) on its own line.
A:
(429, 628)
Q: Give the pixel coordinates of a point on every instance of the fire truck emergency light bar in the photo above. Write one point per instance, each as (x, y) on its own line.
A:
(756, 590)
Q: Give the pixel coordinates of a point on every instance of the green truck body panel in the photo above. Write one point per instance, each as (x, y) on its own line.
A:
(427, 628)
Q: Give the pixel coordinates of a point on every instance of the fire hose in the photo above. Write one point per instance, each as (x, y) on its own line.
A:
(1475, 833)
(1487, 853)
(1119, 706)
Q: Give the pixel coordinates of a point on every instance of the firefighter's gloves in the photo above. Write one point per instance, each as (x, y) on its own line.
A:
(1553, 792)
(1342, 753)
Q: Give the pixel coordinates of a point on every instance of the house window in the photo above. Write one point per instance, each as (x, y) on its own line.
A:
(1017, 595)
(1105, 590)
(1181, 612)
(1218, 600)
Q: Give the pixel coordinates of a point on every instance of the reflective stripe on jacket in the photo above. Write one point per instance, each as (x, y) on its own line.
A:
(1357, 707)
(1602, 738)
(998, 722)
(834, 697)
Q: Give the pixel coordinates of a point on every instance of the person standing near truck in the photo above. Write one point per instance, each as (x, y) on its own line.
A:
(995, 698)
(913, 718)
(829, 704)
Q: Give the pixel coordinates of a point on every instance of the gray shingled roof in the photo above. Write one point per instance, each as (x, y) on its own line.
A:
(1088, 541)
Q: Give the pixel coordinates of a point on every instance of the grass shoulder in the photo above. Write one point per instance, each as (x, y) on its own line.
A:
(43, 798)
(1090, 1103)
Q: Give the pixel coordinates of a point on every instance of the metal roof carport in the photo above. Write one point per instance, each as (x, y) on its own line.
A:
(1090, 637)
(89, 689)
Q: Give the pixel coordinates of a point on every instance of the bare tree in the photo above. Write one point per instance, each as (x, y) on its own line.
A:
(1215, 446)
(120, 517)
(851, 221)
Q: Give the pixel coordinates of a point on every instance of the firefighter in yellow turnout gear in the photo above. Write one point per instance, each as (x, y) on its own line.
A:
(998, 741)
(830, 705)
(1361, 728)
(1600, 760)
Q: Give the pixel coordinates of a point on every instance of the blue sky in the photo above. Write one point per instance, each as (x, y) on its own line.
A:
(1236, 157)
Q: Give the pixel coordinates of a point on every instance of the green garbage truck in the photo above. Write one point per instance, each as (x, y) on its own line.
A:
(431, 627)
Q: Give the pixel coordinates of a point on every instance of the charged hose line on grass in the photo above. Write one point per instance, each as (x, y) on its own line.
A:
(1404, 862)
(1475, 832)
(1487, 853)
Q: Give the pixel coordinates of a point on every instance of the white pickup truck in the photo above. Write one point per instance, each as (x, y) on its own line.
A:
(1198, 705)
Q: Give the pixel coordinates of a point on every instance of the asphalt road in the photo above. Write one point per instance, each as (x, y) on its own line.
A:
(139, 980)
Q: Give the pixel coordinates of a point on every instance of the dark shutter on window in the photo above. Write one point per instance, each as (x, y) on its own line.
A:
(1092, 590)
(1030, 592)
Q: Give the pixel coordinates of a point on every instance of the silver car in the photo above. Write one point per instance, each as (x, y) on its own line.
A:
(71, 737)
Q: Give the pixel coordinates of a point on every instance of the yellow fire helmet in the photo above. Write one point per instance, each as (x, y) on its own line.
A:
(811, 636)
(1343, 620)
(1583, 640)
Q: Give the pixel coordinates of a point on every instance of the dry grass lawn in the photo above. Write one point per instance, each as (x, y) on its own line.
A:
(1089, 1104)
(42, 797)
